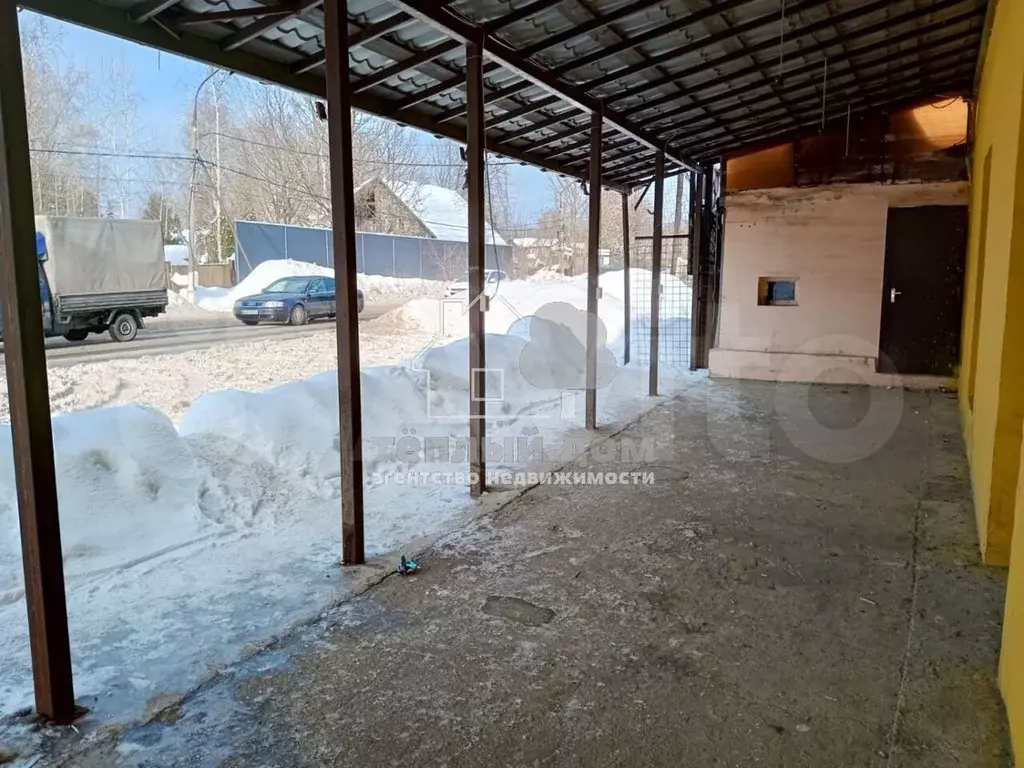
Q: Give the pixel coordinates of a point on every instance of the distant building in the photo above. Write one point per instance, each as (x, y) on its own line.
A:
(417, 210)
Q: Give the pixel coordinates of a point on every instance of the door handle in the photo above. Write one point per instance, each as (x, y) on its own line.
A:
(893, 293)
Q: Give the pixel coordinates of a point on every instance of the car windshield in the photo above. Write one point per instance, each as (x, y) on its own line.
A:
(463, 278)
(288, 285)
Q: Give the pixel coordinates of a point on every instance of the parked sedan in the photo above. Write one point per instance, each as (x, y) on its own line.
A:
(293, 300)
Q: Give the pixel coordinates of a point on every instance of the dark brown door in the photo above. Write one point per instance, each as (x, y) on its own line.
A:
(922, 299)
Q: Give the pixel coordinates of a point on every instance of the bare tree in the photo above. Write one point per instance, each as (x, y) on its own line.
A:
(445, 166)
(64, 182)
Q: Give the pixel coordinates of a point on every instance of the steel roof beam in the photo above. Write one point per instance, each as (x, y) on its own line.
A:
(363, 36)
(281, 9)
(803, 107)
(811, 67)
(764, 45)
(512, 60)
(416, 60)
(815, 49)
(815, 66)
(141, 12)
(549, 42)
(677, 25)
(890, 99)
(250, 32)
(113, 21)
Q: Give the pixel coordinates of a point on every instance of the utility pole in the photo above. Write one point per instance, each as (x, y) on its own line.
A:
(217, 202)
(192, 187)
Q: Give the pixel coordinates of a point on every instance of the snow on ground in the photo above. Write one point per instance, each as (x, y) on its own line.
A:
(518, 299)
(374, 287)
(173, 382)
(187, 544)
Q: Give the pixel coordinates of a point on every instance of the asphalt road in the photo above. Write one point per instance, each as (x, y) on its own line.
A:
(170, 334)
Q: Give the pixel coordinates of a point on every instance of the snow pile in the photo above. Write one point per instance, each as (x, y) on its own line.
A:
(386, 288)
(374, 287)
(545, 274)
(176, 254)
(223, 300)
(184, 546)
(516, 301)
(128, 486)
(175, 299)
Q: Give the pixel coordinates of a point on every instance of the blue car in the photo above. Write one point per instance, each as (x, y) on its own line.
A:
(292, 300)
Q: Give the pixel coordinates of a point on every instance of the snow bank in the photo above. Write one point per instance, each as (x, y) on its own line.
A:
(223, 300)
(128, 486)
(519, 300)
(374, 287)
(385, 288)
(183, 546)
(176, 254)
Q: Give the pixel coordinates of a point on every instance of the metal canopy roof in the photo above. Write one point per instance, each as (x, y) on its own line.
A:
(696, 78)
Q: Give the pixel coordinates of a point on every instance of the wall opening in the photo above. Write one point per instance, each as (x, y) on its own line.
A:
(776, 291)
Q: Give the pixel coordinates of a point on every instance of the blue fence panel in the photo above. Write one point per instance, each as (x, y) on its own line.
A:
(376, 254)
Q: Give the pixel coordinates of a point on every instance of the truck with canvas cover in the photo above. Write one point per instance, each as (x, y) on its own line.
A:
(99, 275)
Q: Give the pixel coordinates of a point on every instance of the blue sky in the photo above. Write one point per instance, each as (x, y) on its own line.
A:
(167, 85)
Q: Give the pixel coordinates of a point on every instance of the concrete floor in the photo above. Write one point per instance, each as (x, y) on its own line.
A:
(760, 604)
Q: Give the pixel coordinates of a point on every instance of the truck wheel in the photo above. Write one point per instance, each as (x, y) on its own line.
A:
(124, 328)
(298, 315)
(79, 334)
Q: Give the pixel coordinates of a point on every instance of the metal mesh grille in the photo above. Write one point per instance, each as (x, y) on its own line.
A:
(675, 305)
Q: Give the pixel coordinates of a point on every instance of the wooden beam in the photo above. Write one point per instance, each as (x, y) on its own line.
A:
(593, 250)
(475, 144)
(659, 208)
(28, 393)
(350, 410)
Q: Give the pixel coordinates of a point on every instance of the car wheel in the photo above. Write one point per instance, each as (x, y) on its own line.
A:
(251, 322)
(124, 328)
(78, 334)
(298, 315)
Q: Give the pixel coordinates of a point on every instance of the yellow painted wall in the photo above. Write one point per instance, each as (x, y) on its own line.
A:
(993, 422)
(1011, 664)
(992, 370)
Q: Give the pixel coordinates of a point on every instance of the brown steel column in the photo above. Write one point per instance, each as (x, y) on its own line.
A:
(706, 296)
(339, 117)
(593, 247)
(28, 393)
(696, 239)
(477, 300)
(625, 266)
(659, 206)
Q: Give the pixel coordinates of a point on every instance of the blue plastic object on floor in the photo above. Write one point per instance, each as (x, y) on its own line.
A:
(407, 567)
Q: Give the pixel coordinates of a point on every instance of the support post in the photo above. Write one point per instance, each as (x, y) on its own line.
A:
(627, 309)
(593, 254)
(716, 256)
(659, 208)
(477, 299)
(696, 296)
(339, 117)
(28, 392)
(701, 312)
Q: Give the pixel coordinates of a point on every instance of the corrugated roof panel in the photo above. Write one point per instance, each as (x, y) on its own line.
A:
(715, 83)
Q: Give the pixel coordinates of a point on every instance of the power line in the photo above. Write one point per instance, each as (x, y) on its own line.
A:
(140, 155)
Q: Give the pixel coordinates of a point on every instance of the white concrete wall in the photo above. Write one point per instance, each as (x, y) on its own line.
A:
(832, 241)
